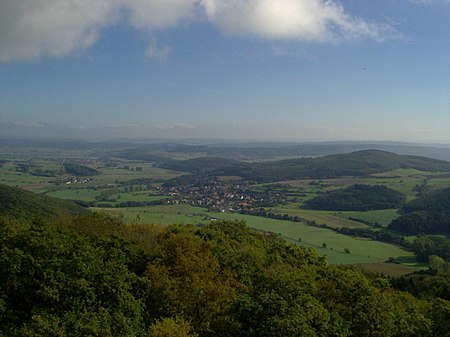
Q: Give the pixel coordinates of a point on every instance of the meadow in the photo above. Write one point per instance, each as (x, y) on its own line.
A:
(358, 250)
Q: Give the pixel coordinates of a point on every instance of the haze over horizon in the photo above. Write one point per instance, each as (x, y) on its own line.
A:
(287, 70)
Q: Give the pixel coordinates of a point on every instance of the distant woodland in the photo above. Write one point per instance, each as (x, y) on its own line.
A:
(428, 214)
(357, 164)
(80, 170)
(357, 198)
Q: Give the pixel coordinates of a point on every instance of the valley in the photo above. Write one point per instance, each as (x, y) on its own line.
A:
(154, 189)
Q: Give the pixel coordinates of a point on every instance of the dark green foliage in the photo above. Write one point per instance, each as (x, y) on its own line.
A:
(357, 198)
(25, 206)
(93, 276)
(435, 282)
(80, 170)
(427, 214)
(207, 166)
(440, 313)
(184, 180)
(58, 283)
(426, 246)
(433, 202)
(422, 223)
(425, 285)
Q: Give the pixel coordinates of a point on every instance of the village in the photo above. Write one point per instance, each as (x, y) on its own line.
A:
(78, 180)
(219, 196)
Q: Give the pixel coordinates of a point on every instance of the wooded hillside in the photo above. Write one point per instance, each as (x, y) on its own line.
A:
(93, 276)
(356, 164)
(427, 214)
(357, 198)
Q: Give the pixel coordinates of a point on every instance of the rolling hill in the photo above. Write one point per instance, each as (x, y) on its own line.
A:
(360, 163)
(429, 214)
(357, 198)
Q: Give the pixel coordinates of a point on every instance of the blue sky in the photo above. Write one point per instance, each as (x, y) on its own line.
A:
(249, 69)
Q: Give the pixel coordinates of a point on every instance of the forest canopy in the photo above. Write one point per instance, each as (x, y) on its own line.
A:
(91, 275)
(428, 214)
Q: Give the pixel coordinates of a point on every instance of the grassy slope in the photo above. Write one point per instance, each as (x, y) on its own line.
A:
(361, 251)
(382, 217)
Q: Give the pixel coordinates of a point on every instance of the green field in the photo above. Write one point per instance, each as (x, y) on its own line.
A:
(329, 218)
(75, 194)
(361, 251)
(382, 217)
(9, 176)
(402, 173)
(119, 174)
(136, 196)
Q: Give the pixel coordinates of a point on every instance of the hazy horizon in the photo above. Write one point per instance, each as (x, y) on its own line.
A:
(256, 70)
(53, 132)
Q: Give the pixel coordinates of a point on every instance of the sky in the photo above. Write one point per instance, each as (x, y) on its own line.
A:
(297, 70)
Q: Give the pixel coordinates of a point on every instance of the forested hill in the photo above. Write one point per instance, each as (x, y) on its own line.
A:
(358, 163)
(427, 214)
(357, 198)
(436, 201)
(24, 205)
(102, 278)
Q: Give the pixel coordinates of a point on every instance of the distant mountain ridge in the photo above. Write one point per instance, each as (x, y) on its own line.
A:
(240, 150)
(274, 150)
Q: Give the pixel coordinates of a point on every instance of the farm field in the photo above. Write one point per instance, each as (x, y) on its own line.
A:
(120, 174)
(75, 194)
(361, 251)
(329, 218)
(382, 217)
(9, 176)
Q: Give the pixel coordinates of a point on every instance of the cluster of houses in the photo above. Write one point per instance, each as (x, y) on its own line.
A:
(78, 180)
(221, 196)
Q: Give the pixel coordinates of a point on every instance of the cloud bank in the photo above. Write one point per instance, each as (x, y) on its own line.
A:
(30, 29)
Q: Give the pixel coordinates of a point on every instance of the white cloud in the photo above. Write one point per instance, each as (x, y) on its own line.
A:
(314, 20)
(30, 29)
